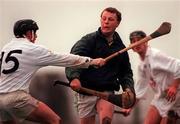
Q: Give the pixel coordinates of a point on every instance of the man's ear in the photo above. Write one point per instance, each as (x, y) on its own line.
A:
(28, 34)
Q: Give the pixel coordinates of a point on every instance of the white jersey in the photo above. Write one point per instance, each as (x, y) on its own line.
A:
(20, 59)
(157, 70)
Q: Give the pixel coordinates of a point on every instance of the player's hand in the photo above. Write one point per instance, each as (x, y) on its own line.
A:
(128, 99)
(75, 84)
(98, 62)
(126, 112)
(171, 93)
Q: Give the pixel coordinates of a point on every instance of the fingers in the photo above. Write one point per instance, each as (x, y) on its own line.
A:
(126, 112)
(171, 94)
(171, 97)
(98, 62)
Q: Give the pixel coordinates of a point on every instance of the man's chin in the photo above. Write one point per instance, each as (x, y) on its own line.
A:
(107, 33)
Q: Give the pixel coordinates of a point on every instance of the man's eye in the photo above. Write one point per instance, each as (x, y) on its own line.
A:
(133, 41)
(111, 19)
(103, 18)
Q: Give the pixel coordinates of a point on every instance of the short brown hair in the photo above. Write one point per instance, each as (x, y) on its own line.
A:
(113, 10)
(137, 33)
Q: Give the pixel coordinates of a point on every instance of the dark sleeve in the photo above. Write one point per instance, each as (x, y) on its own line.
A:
(83, 47)
(126, 74)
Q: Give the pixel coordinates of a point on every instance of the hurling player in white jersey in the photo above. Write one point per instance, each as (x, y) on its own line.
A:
(162, 73)
(19, 60)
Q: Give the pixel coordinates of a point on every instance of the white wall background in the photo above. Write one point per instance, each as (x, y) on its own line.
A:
(63, 22)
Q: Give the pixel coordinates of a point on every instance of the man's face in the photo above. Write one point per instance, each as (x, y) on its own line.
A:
(109, 23)
(140, 48)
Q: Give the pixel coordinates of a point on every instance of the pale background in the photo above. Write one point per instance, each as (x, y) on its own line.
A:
(63, 22)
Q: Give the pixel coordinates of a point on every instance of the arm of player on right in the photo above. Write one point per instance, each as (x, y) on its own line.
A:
(172, 90)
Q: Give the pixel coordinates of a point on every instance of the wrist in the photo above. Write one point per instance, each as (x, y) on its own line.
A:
(176, 83)
(90, 60)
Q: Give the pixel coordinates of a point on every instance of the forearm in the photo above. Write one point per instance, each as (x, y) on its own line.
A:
(78, 61)
(172, 90)
(128, 82)
(73, 73)
(127, 76)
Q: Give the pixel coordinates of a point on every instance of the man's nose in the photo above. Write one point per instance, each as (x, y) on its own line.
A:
(106, 21)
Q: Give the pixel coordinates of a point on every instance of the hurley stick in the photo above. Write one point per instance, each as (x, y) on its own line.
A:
(115, 99)
(165, 28)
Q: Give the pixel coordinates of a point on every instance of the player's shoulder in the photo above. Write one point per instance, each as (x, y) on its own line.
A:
(23, 44)
(153, 51)
(90, 35)
(157, 54)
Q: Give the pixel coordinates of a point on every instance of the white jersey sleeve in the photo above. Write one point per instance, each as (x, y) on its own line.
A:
(45, 57)
(165, 63)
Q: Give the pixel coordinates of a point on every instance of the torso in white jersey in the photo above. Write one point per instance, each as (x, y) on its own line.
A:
(20, 59)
